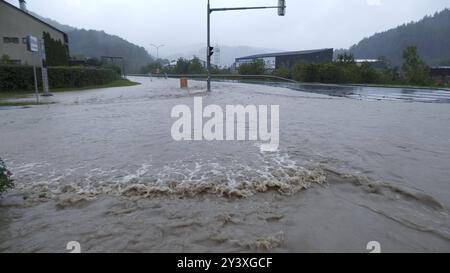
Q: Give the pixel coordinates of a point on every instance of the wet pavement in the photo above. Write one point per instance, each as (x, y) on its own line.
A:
(101, 167)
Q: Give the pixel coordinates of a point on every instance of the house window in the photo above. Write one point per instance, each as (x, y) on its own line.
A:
(15, 62)
(10, 40)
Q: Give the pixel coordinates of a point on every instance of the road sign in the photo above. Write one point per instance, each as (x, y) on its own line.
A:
(32, 43)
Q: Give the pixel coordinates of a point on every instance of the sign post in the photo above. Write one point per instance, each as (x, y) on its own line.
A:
(44, 70)
(33, 47)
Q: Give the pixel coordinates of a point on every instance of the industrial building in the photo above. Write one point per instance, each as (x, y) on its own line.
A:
(288, 59)
(15, 25)
(374, 63)
(441, 74)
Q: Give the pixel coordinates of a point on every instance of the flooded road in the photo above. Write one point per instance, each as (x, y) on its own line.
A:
(369, 93)
(100, 167)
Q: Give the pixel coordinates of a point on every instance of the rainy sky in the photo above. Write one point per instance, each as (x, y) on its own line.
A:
(308, 24)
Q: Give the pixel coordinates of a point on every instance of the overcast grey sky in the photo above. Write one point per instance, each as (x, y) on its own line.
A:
(308, 24)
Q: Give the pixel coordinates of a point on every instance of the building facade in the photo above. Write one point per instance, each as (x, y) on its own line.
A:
(15, 25)
(374, 63)
(273, 61)
(441, 74)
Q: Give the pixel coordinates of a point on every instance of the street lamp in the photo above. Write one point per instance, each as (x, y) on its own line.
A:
(210, 50)
(157, 50)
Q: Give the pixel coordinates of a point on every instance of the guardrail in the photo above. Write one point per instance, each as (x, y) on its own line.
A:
(217, 76)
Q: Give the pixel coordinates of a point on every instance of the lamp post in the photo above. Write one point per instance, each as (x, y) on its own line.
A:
(210, 50)
(157, 47)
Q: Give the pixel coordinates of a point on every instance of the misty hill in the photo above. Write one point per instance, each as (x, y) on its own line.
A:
(431, 35)
(228, 54)
(94, 44)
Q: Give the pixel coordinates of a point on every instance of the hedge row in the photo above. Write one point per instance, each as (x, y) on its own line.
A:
(20, 78)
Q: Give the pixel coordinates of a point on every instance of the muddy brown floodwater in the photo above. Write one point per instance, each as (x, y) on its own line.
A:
(101, 168)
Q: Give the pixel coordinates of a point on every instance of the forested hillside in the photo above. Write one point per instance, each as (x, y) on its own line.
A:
(95, 44)
(431, 35)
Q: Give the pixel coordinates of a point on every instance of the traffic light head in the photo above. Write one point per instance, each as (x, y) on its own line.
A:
(281, 7)
(211, 51)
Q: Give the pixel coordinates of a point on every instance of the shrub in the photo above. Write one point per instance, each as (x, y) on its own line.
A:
(5, 59)
(17, 78)
(6, 182)
(254, 68)
(337, 72)
(20, 78)
(68, 77)
(283, 72)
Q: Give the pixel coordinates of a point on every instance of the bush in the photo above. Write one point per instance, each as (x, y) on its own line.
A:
(183, 67)
(5, 59)
(337, 73)
(17, 78)
(283, 72)
(6, 182)
(20, 78)
(254, 68)
(68, 77)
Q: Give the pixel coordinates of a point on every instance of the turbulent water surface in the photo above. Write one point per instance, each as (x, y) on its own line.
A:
(101, 168)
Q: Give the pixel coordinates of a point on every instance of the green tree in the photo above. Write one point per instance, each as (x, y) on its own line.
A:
(415, 71)
(182, 66)
(346, 58)
(283, 72)
(391, 76)
(256, 67)
(368, 74)
(5, 59)
(113, 67)
(195, 66)
(56, 52)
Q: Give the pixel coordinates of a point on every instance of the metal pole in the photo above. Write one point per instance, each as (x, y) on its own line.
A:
(35, 83)
(44, 71)
(208, 53)
(157, 47)
(123, 68)
(281, 4)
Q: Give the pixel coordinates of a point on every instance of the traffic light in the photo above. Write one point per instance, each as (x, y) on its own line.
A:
(211, 51)
(281, 7)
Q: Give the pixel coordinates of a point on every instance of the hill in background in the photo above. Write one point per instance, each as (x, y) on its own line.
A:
(95, 44)
(431, 35)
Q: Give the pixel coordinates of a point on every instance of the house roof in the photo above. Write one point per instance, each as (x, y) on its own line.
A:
(288, 53)
(34, 17)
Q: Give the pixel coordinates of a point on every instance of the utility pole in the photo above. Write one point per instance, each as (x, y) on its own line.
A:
(210, 50)
(157, 47)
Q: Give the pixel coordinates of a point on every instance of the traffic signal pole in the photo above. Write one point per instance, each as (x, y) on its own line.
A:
(209, 50)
